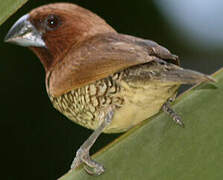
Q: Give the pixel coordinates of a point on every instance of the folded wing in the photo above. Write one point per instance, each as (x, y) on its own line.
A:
(100, 57)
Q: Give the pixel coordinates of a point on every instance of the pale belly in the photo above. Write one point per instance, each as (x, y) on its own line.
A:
(140, 104)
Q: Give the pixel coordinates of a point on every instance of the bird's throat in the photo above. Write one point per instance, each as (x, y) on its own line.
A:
(46, 58)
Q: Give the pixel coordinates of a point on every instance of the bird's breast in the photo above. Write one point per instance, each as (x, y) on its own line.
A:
(85, 104)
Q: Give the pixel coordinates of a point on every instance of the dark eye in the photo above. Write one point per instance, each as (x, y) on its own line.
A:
(52, 22)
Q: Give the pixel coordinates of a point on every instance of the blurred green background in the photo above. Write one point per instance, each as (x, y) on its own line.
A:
(40, 143)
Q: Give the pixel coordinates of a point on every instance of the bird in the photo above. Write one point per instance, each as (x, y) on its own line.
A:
(98, 78)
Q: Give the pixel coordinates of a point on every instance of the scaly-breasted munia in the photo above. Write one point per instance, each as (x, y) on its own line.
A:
(96, 77)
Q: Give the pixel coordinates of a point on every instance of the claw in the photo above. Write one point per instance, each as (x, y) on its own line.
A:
(179, 121)
(91, 167)
(97, 170)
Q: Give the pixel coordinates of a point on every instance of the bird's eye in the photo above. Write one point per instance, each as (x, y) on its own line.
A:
(52, 22)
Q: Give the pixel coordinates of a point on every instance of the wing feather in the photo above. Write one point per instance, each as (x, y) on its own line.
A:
(100, 57)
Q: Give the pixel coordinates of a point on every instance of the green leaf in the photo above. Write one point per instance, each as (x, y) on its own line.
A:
(158, 149)
(8, 7)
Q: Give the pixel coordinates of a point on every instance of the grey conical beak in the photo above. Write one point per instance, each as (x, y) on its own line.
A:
(24, 33)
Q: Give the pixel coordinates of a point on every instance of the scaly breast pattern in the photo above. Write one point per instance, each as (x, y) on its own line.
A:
(83, 105)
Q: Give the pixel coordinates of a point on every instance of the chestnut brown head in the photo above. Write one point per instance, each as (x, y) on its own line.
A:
(51, 30)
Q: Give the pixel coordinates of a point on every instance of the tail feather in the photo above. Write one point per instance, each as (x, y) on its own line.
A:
(166, 72)
(186, 76)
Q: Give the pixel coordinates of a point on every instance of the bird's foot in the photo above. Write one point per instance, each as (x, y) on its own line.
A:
(91, 167)
(167, 109)
(82, 155)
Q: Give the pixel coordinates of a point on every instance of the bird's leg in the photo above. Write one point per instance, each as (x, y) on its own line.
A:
(167, 109)
(82, 155)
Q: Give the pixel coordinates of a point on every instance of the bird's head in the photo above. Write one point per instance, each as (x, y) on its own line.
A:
(51, 30)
